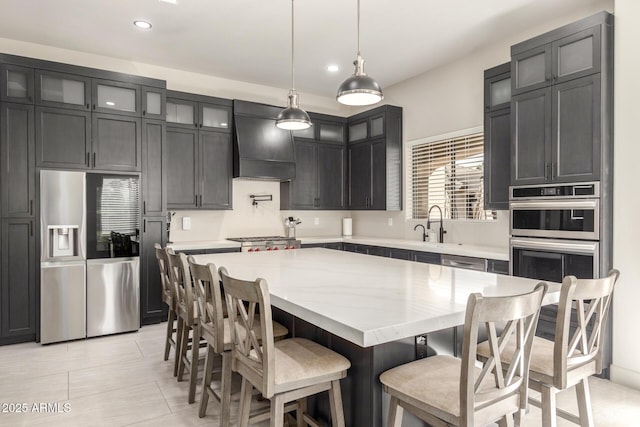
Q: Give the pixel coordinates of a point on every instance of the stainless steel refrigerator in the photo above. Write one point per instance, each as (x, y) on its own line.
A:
(89, 271)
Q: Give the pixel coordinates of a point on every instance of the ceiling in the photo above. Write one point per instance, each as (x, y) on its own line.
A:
(249, 40)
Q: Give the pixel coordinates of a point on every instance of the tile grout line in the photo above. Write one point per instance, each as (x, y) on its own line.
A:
(164, 397)
(139, 349)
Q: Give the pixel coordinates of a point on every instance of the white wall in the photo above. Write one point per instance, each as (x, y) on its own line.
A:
(626, 203)
(449, 99)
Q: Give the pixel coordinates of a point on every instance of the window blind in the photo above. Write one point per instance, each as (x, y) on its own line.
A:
(449, 173)
(118, 208)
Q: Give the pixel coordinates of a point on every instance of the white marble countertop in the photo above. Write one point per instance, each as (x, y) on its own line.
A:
(368, 300)
(479, 251)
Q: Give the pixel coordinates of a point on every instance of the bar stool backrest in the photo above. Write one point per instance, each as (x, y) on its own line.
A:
(206, 284)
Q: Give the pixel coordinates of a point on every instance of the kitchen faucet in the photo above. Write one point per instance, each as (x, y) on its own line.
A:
(424, 232)
(442, 230)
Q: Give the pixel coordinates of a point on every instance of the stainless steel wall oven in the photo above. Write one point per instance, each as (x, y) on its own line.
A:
(555, 231)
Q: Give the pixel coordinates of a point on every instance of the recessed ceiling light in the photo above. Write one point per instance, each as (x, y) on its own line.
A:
(145, 25)
(169, 1)
(110, 103)
(333, 68)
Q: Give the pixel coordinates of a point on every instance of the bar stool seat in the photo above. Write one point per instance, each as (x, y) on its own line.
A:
(298, 360)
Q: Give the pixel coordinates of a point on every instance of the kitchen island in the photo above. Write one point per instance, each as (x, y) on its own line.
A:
(367, 308)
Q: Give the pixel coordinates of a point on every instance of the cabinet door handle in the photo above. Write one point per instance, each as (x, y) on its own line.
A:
(31, 228)
(88, 159)
(94, 159)
(195, 124)
(144, 207)
(87, 106)
(144, 112)
(200, 125)
(201, 200)
(554, 169)
(144, 225)
(196, 200)
(94, 106)
(30, 98)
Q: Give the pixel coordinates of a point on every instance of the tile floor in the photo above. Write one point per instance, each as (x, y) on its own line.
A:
(122, 380)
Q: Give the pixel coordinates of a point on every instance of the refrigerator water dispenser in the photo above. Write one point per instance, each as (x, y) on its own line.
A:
(63, 240)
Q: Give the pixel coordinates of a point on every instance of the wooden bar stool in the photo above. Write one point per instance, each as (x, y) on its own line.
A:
(188, 321)
(215, 329)
(167, 298)
(444, 390)
(283, 371)
(572, 357)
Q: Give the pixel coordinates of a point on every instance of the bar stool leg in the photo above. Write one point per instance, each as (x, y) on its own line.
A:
(167, 345)
(176, 362)
(335, 401)
(225, 387)
(195, 355)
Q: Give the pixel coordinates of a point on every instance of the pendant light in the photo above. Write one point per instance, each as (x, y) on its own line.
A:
(359, 89)
(293, 117)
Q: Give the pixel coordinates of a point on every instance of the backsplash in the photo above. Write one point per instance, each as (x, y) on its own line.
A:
(264, 219)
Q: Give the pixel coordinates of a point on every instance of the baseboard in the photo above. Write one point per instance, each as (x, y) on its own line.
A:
(624, 376)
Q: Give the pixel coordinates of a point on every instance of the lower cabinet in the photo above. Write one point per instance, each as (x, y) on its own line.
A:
(18, 281)
(152, 309)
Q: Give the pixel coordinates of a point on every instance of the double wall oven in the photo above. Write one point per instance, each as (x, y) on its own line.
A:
(555, 231)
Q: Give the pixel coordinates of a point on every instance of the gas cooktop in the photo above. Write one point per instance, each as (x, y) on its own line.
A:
(257, 238)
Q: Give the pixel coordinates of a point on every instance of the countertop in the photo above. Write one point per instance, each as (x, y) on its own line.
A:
(479, 251)
(368, 300)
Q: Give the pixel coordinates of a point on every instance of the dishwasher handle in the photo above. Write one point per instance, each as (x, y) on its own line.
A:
(469, 263)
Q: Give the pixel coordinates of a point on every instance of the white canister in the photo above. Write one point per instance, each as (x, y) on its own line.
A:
(347, 226)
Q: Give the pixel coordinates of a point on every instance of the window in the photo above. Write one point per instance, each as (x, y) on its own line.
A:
(117, 205)
(448, 172)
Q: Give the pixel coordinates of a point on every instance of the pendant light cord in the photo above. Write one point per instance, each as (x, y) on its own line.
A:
(293, 86)
(358, 27)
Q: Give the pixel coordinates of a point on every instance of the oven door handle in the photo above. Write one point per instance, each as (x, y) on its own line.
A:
(555, 204)
(589, 248)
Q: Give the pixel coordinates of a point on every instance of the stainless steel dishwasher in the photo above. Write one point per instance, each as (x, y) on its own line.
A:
(113, 295)
(467, 262)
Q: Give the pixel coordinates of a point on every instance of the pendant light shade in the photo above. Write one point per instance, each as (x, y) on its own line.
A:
(359, 88)
(293, 117)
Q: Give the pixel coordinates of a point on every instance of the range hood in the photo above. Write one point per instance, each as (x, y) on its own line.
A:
(261, 150)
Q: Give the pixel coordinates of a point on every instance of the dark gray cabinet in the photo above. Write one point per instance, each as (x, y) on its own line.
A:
(198, 169)
(113, 97)
(199, 152)
(561, 111)
(321, 169)
(17, 151)
(63, 138)
(320, 177)
(375, 159)
(18, 280)
(215, 170)
(531, 137)
(367, 175)
(557, 133)
(154, 171)
(116, 143)
(154, 103)
(182, 171)
(576, 130)
(574, 55)
(153, 310)
(427, 257)
(196, 111)
(497, 137)
(17, 84)
(63, 90)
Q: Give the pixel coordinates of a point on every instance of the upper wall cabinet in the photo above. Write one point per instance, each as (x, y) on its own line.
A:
(497, 136)
(63, 90)
(154, 103)
(321, 173)
(570, 52)
(199, 152)
(16, 84)
(197, 111)
(116, 97)
(561, 110)
(375, 159)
